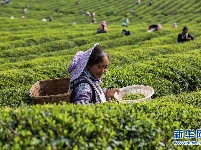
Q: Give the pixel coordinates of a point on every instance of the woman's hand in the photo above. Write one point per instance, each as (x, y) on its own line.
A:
(110, 93)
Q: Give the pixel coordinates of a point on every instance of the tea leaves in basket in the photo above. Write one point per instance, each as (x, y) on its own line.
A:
(133, 96)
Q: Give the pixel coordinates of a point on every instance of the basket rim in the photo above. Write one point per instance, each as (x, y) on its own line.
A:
(137, 100)
(135, 86)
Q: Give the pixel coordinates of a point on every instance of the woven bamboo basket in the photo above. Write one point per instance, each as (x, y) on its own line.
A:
(50, 91)
(134, 89)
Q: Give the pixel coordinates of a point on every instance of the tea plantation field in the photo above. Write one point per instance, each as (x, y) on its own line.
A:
(32, 50)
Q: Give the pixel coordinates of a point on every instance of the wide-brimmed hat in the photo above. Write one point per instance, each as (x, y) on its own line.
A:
(104, 23)
(79, 63)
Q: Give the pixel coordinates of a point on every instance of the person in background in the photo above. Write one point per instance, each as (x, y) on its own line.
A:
(44, 20)
(57, 10)
(77, 3)
(154, 27)
(125, 23)
(139, 1)
(88, 14)
(86, 72)
(93, 20)
(175, 25)
(150, 2)
(184, 36)
(93, 14)
(102, 28)
(132, 12)
(50, 19)
(24, 11)
(127, 20)
(126, 32)
(2, 3)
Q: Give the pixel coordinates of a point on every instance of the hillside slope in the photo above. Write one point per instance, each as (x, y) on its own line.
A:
(180, 11)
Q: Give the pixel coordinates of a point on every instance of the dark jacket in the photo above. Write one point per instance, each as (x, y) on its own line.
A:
(155, 27)
(86, 89)
(184, 37)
